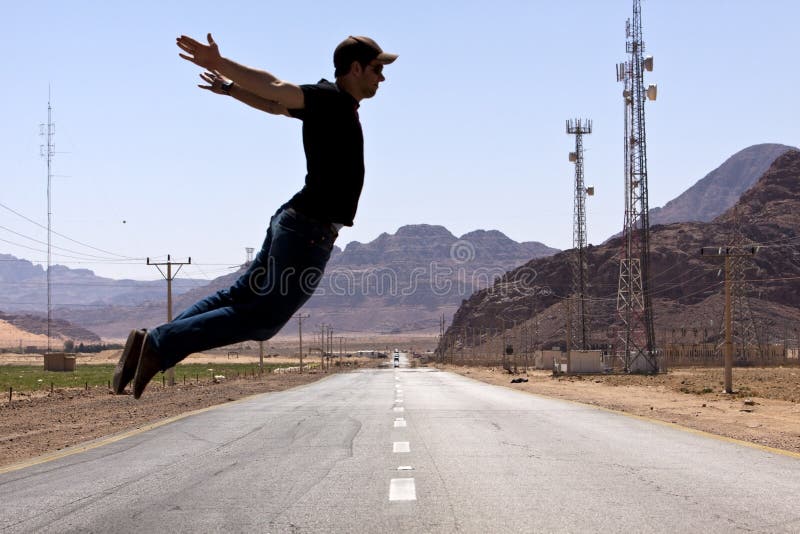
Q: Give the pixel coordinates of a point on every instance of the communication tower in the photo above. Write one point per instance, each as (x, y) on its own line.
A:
(580, 281)
(634, 305)
(47, 151)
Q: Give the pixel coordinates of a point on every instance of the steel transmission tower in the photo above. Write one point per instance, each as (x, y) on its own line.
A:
(580, 282)
(744, 332)
(634, 304)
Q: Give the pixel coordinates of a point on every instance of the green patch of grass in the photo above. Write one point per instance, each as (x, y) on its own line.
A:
(33, 378)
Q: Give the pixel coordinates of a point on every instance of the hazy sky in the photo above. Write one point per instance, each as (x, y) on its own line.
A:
(467, 132)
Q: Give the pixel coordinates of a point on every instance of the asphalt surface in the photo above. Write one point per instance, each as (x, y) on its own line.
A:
(407, 450)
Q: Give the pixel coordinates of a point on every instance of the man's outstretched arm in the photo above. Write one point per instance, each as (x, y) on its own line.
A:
(259, 83)
(217, 84)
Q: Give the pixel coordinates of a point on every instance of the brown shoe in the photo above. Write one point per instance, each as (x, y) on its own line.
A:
(126, 367)
(149, 366)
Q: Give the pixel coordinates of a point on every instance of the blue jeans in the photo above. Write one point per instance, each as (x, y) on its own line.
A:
(283, 276)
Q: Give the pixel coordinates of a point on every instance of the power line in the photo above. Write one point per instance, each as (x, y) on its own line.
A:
(92, 256)
(44, 251)
(67, 237)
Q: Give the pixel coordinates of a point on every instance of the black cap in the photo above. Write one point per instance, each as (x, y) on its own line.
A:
(361, 49)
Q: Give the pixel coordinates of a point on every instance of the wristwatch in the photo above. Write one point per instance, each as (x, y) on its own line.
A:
(226, 88)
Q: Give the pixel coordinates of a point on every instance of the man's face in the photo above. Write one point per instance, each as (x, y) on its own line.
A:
(371, 76)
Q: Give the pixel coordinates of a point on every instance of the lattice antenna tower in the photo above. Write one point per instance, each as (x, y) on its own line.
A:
(580, 281)
(48, 151)
(634, 305)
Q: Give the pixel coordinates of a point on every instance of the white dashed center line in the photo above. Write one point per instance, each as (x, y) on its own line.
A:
(401, 446)
(402, 489)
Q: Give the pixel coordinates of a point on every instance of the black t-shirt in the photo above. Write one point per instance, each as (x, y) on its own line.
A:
(334, 147)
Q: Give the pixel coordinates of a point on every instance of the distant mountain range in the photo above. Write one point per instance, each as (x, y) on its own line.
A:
(400, 282)
(24, 287)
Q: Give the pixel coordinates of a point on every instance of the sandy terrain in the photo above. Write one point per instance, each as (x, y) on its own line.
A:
(11, 336)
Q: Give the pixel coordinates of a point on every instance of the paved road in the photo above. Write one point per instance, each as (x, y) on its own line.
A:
(407, 450)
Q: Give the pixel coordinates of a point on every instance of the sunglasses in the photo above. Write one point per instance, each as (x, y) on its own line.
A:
(377, 69)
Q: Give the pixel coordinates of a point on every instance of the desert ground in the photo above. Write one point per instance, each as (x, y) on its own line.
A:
(765, 410)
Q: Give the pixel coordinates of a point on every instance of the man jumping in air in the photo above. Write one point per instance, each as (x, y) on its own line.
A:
(301, 234)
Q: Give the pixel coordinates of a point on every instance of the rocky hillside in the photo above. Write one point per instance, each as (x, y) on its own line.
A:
(721, 188)
(685, 286)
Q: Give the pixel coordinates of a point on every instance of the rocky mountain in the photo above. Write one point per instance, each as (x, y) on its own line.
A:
(24, 287)
(423, 242)
(720, 189)
(401, 282)
(685, 285)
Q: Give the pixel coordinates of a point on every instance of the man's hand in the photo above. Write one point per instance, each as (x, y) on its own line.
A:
(207, 56)
(258, 83)
(215, 82)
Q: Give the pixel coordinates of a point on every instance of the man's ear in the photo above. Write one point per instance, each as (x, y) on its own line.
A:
(356, 68)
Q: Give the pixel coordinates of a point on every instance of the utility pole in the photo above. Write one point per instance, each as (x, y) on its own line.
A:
(322, 344)
(569, 336)
(169, 277)
(330, 346)
(300, 317)
(441, 347)
(728, 253)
